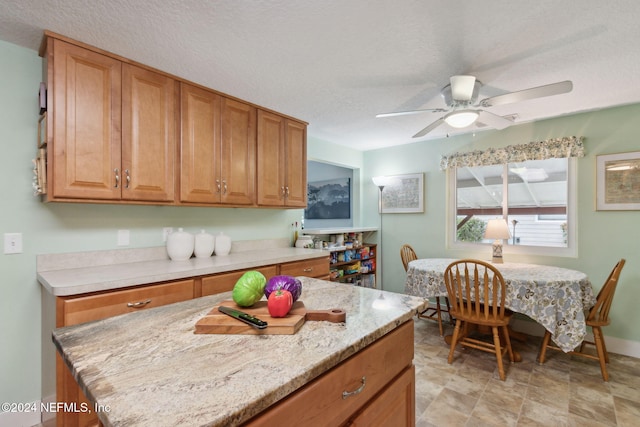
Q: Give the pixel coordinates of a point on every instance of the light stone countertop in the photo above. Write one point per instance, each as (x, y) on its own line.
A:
(149, 368)
(74, 274)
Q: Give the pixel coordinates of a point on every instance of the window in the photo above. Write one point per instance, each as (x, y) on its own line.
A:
(536, 197)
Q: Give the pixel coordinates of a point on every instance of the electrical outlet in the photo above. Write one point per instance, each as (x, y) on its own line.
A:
(12, 243)
(165, 233)
(123, 237)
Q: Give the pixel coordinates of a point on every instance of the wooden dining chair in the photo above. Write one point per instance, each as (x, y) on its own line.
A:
(407, 254)
(477, 293)
(596, 317)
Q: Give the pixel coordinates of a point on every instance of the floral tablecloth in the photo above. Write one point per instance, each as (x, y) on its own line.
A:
(552, 296)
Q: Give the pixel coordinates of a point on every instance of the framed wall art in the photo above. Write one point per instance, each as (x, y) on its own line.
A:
(618, 181)
(330, 199)
(405, 194)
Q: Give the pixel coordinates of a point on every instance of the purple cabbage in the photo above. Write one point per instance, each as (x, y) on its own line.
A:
(287, 283)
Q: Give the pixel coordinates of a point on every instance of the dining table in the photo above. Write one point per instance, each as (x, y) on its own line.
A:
(555, 297)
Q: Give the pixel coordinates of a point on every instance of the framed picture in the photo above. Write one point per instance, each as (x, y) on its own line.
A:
(329, 199)
(405, 194)
(618, 181)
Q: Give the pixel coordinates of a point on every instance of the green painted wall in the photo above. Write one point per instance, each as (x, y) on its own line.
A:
(26, 352)
(25, 375)
(603, 237)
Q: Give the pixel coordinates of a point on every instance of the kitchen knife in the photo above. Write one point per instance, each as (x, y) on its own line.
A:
(244, 317)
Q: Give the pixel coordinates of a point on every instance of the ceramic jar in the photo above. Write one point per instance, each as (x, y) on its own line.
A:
(304, 242)
(223, 244)
(180, 245)
(204, 244)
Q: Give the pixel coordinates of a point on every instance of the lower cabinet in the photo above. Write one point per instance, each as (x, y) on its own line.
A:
(79, 309)
(76, 309)
(374, 387)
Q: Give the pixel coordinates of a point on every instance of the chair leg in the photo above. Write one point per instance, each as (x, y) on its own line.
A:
(454, 340)
(438, 312)
(496, 343)
(446, 301)
(505, 331)
(543, 347)
(602, 356)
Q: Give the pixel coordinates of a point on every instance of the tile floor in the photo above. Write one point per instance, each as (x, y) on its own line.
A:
(565, 391)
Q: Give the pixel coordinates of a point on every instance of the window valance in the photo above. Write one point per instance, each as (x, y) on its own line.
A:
(568, 146)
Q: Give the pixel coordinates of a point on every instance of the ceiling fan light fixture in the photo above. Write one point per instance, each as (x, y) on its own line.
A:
(461, 119)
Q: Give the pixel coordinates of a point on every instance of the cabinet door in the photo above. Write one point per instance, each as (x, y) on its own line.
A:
(296, 159)
(271, 159)
(237, 172)
(149, 117)
(199, 145)
(86, 114)
(394, 407)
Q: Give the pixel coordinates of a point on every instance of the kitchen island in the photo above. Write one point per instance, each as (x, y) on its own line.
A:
(149, 368)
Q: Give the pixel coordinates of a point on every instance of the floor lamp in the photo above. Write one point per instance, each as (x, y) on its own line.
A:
(380, 182)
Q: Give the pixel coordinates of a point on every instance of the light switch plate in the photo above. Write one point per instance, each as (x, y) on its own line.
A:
(12, 243)
(123, 237)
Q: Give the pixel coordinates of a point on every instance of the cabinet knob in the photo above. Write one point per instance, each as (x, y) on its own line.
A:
(283, 191)
(308, 270)
(224, 186)
(128, 178)
(218, 186)
(117, 172)
(286, 193)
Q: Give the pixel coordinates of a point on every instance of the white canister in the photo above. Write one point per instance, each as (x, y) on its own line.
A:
(204, 244)
(180, 245)
(223, 244)
(304, 242)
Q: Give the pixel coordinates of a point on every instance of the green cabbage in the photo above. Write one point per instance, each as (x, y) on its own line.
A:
(249, 288)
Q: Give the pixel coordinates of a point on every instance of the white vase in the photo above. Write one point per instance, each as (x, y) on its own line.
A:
(204, 244)
(223, 244)
(180, 245)
(304, 242)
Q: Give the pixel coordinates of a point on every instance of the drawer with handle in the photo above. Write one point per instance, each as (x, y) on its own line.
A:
(337, 395)
(100, 306)
(315, 267)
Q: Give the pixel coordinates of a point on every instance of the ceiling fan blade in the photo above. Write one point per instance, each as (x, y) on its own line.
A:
(494, 120)
(462, 87)
(404, 113)
(532, 93)
(429, 128)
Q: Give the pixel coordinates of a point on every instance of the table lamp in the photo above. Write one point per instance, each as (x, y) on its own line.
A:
(498, 230)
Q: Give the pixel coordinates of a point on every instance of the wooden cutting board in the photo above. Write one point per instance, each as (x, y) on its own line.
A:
(216, 322)
(219, 323)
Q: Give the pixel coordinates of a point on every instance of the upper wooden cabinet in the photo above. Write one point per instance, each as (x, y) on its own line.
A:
(93, 97)
(218, 148)
(282, 161)
(149, 126)
(122, 132)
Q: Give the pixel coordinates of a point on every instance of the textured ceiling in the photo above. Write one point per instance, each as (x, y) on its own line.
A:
(338, 63)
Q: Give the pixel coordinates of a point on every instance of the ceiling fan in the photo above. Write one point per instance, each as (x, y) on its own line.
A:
(461, 95)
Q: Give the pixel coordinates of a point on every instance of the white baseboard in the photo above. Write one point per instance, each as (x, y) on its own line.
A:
(614, 345)
(28, 418)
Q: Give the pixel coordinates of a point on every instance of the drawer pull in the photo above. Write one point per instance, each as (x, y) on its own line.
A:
(308, 270)
(346, 394)
(138, 304)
